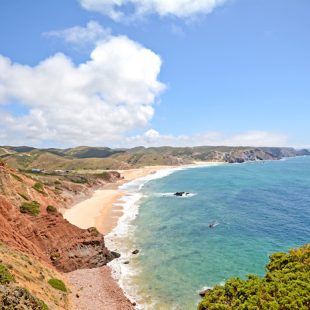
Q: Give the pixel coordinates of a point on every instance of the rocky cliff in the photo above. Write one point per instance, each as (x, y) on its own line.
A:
(29, 222)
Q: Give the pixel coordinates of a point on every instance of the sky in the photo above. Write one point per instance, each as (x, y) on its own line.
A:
(124, 73)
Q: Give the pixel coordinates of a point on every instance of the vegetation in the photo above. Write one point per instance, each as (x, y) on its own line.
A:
(20, 298)
(5, 276)
(39, 187)
(285, 286)
(78, 179)
(94, 158)
(51, 209)
(93, 230)
(32, 208)
(16, 177)
(57, 284)
(23, 196)
(29, 288)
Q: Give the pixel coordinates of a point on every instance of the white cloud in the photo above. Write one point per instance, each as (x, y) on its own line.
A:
(92, 33)
(95, 102)
(115, 9)
(250, 138)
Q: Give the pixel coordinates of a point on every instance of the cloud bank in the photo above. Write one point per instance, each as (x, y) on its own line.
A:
(116, 9)
(95, 102)
(77, 35)
(250, 138)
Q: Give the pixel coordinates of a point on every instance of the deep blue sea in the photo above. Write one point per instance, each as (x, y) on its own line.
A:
(260, 208)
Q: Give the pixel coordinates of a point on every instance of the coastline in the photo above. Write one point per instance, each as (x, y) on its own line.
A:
(111, 209)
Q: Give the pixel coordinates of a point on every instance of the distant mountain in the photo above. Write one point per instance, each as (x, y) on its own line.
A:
(93, 158)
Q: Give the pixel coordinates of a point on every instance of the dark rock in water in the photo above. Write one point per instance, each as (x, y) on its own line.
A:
(204, 292)
(126, 262)
(135, 252)
(179, 193)
(115, 254)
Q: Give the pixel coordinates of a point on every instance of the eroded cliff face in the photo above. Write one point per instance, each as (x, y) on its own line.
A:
(47, 235)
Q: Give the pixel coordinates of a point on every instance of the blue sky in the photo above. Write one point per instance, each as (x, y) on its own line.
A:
(235, 73)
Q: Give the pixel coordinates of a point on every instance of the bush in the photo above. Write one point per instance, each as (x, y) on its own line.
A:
(39, 187)
(32, 208)
(5, 276)
(78, 179)
(285, 286)
(20, 298)
(93, 230)
(23, 196)
(16, 177)
(51, 209)
(57, 284)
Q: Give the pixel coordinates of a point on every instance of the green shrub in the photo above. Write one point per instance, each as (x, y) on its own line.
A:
(285, 286)
(57, 284)
(32, 208)
(23, 196)
(16, 177)
(78, 179)
(5, 276)
(51, 209)
(57, 182)
(39, 187)
(93, 230)
(20, 298)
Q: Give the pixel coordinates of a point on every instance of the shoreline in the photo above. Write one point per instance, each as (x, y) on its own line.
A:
(106, 210)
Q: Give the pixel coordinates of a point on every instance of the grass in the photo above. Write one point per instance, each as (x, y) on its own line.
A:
(39, 187)
(32, 208)
(57, 284)
(5, 276)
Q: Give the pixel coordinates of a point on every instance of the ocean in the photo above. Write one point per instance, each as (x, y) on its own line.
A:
(258, 208)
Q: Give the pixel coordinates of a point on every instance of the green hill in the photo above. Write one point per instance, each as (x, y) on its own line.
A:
(94, 158)
(286, 286)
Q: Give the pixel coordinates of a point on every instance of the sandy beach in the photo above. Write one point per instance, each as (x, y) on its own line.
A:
(99, 210)
(102, 211)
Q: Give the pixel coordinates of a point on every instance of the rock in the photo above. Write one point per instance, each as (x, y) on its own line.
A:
(135, 252)
(126, 262)
(115, 254)
(179, 193)
(77, 295)
(203, 293)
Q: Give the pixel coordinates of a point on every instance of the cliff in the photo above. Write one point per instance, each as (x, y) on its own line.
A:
(29, 222)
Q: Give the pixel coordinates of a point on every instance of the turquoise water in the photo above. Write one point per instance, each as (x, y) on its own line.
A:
(260, 207)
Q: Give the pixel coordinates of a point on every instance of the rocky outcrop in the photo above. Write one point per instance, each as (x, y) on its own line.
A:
(47, 236)
(240, 156)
